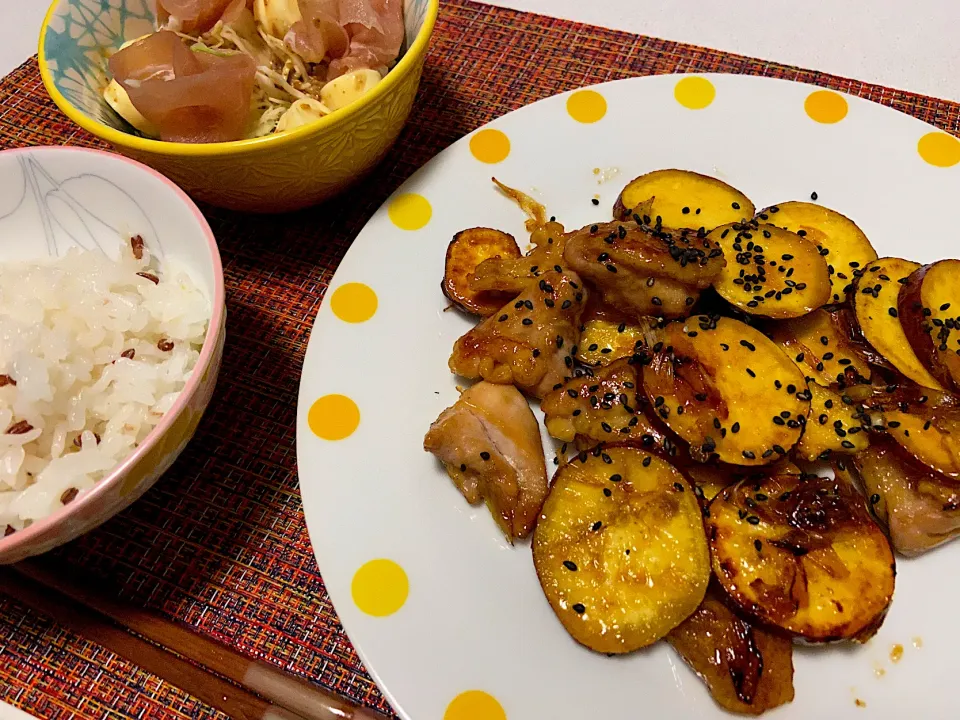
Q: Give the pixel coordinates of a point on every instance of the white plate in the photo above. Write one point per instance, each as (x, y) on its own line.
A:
(475, 618)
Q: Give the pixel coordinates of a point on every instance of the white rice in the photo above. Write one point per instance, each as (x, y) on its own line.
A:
(65, 326)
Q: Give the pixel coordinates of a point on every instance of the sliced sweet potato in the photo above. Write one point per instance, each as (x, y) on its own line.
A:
(920, 508)
(833, 426)
(620, 551)
(929, 307)
(719, 384)
(683, 199)
(820, 348)
(465, 252)
(770, 272)
(710, 480)
(836, 236)
(605, 341)
(802, 553)
(747, 669)
(875, 304)
(933, 438)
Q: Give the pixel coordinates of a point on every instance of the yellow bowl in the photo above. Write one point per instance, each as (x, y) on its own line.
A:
(276, 173)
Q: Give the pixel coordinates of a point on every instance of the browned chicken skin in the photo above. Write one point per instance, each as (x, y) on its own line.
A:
(644, 271)
(591, 410)
(489, 442)
(513, 274)
(531, 341)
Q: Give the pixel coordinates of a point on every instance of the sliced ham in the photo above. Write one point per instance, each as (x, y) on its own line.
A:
(188, 96)
(372, 44)
(351, 34)
(318, 34)
(192, 16)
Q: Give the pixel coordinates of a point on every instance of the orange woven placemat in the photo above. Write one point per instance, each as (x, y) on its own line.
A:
(220, 543)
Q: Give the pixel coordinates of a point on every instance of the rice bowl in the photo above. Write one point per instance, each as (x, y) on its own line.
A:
(107, 360)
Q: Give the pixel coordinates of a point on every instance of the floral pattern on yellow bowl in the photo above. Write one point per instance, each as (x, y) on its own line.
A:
(276, 173)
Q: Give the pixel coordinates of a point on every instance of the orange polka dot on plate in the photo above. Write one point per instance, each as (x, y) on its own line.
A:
(694, 92)
(587, 106)
(490, 146)
(410, 211)
(354, 302)
(826, 106)
(333, 417)
(474, 705)
(939, 149)
(380, 588)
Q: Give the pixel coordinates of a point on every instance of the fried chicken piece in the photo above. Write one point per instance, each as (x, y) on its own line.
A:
(511, 274)
(531, 341)
(643, 270)
(601, 408)
(489, 442)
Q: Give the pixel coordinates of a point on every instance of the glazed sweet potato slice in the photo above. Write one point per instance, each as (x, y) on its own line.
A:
(683, 199)
(929, 306)
(747, 669)
(875, 303)
(931, 437)
(843, 244)
(833, 427)
(770, 272)
(620, 550)
(726, 389)
(601, 408)
(802, 553)
(466, 251)
(920, 508)
(644, 271)
(820, 348)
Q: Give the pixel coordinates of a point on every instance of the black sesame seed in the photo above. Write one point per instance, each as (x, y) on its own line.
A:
(748, 345)
(749, 455)
(485, 455)
(501, 318)
(607, 492)
(753, 520)
(527, 321)
(596, 526)
(751, 373)
(874, 499)
(579, 609)
(735, 206)
(570, 565)
(735, 428)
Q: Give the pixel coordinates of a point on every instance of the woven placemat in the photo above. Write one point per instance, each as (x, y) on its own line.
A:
(221, 543)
